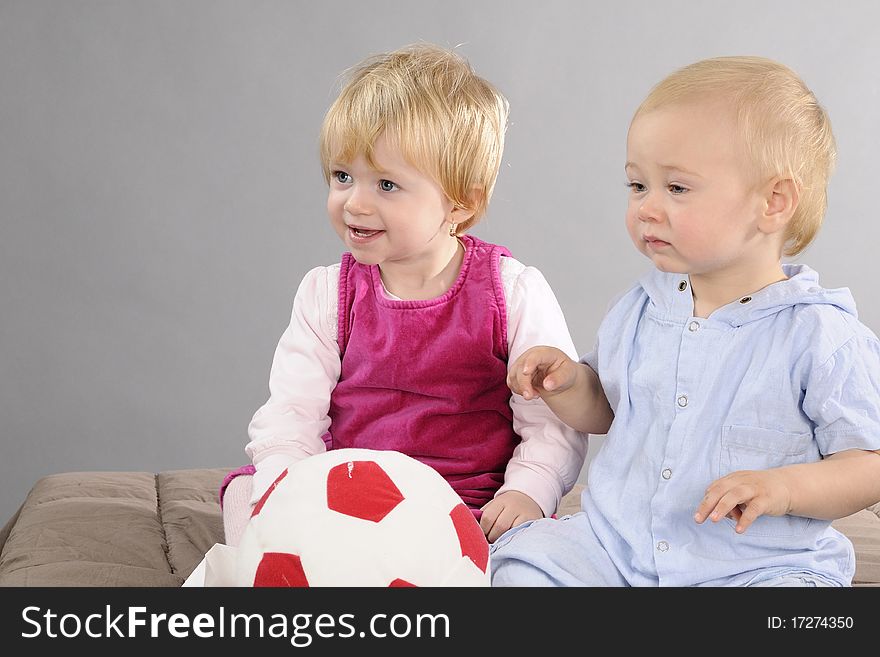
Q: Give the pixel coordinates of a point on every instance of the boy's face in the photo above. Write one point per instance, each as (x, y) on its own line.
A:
(393, 215)
(693, 207)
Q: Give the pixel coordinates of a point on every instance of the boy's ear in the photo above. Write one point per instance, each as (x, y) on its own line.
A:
(781, 200)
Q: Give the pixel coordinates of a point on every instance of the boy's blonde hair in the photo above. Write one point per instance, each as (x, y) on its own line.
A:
(447, 122)
(784, 129)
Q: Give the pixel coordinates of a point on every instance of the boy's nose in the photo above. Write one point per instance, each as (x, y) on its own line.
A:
(649, 210)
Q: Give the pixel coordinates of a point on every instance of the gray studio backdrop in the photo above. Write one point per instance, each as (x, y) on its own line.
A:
(160, 196)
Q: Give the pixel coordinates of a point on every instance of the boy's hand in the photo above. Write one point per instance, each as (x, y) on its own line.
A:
(509, 509)
(540, 372)
(745, 495)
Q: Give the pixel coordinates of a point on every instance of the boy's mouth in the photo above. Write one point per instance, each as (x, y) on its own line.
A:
(654, 243)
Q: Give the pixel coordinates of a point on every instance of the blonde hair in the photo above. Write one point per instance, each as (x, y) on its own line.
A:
(447, 122)
(784, 129)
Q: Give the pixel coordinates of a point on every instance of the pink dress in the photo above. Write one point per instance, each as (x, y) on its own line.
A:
(428, 378)
(357, 366)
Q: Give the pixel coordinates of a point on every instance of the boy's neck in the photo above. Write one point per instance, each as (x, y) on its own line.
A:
(714, 290)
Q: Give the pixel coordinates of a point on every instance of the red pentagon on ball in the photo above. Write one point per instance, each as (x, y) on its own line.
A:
(471, 538)
(362, 489)
(400, 584)
(280, 569)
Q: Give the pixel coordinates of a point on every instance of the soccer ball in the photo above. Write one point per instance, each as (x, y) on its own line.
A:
(360, 517)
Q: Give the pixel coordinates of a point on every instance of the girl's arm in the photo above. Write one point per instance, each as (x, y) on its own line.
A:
(548, 460)
(305, 369)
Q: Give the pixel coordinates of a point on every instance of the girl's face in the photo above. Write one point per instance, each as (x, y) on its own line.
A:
(393, 215)
(693, 207)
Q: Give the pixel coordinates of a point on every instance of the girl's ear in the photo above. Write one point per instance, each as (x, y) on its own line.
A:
(461, 216)
(781, 200)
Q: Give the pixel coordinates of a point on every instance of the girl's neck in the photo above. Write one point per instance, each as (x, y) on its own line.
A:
(411, 283)
(713, 290)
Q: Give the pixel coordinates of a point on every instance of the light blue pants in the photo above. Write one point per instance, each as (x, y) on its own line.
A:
(549, 552)
(567, 552)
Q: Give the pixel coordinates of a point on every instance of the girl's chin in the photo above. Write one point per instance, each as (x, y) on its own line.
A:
(363, 258)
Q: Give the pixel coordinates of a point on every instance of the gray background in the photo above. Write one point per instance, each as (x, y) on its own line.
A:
(160, 196)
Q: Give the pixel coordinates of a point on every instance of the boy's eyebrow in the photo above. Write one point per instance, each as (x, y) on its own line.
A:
(667, 167)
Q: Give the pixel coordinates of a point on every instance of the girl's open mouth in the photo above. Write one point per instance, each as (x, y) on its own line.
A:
(363, 234)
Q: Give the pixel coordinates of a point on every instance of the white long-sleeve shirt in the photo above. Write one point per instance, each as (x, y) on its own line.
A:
(307, 364)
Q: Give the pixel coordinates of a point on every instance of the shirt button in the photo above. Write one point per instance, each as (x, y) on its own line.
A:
(693, 326)
(682, 286)
(745, 299)
(682, 400)
(662, 546)
(666, 474)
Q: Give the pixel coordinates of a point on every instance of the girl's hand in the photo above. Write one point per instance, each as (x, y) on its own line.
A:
(744, 496)
(541, 372)
(507, 510)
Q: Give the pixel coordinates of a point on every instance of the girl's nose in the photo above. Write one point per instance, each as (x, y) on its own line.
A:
(357, 202)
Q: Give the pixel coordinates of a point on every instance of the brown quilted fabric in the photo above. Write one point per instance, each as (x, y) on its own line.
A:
(113, 529)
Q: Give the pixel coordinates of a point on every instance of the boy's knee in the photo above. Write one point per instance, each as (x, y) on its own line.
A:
(515, 572)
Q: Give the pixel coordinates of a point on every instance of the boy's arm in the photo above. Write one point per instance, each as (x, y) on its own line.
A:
(571, 389)
(841, 484)
(837, 486)
(584, 405)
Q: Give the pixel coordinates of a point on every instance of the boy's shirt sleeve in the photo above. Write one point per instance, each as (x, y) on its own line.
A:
(548, 460)
(305, 369)
(842, 397)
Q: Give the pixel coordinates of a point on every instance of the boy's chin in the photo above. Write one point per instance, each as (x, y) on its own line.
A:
(664, 265)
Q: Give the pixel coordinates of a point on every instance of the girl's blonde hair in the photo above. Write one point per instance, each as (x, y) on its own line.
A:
(785, 131)
(447, 122)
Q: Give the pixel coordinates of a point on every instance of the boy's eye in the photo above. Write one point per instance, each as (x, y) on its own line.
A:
(341, 177)
(387, 186)
(677, 189)
(637, 187)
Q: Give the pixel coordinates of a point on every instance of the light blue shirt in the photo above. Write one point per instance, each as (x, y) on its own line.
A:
(786, 375)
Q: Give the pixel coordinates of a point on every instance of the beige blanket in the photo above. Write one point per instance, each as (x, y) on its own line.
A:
(112, 529)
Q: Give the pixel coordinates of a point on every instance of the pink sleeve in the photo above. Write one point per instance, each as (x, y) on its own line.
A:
(548, 461)
(305, 369)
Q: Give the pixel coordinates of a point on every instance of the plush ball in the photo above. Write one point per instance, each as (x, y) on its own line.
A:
(358, 517)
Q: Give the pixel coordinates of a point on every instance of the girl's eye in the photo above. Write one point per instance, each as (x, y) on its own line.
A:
(387, 186)
(677, 189)
(341, 177)
(636, 187)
